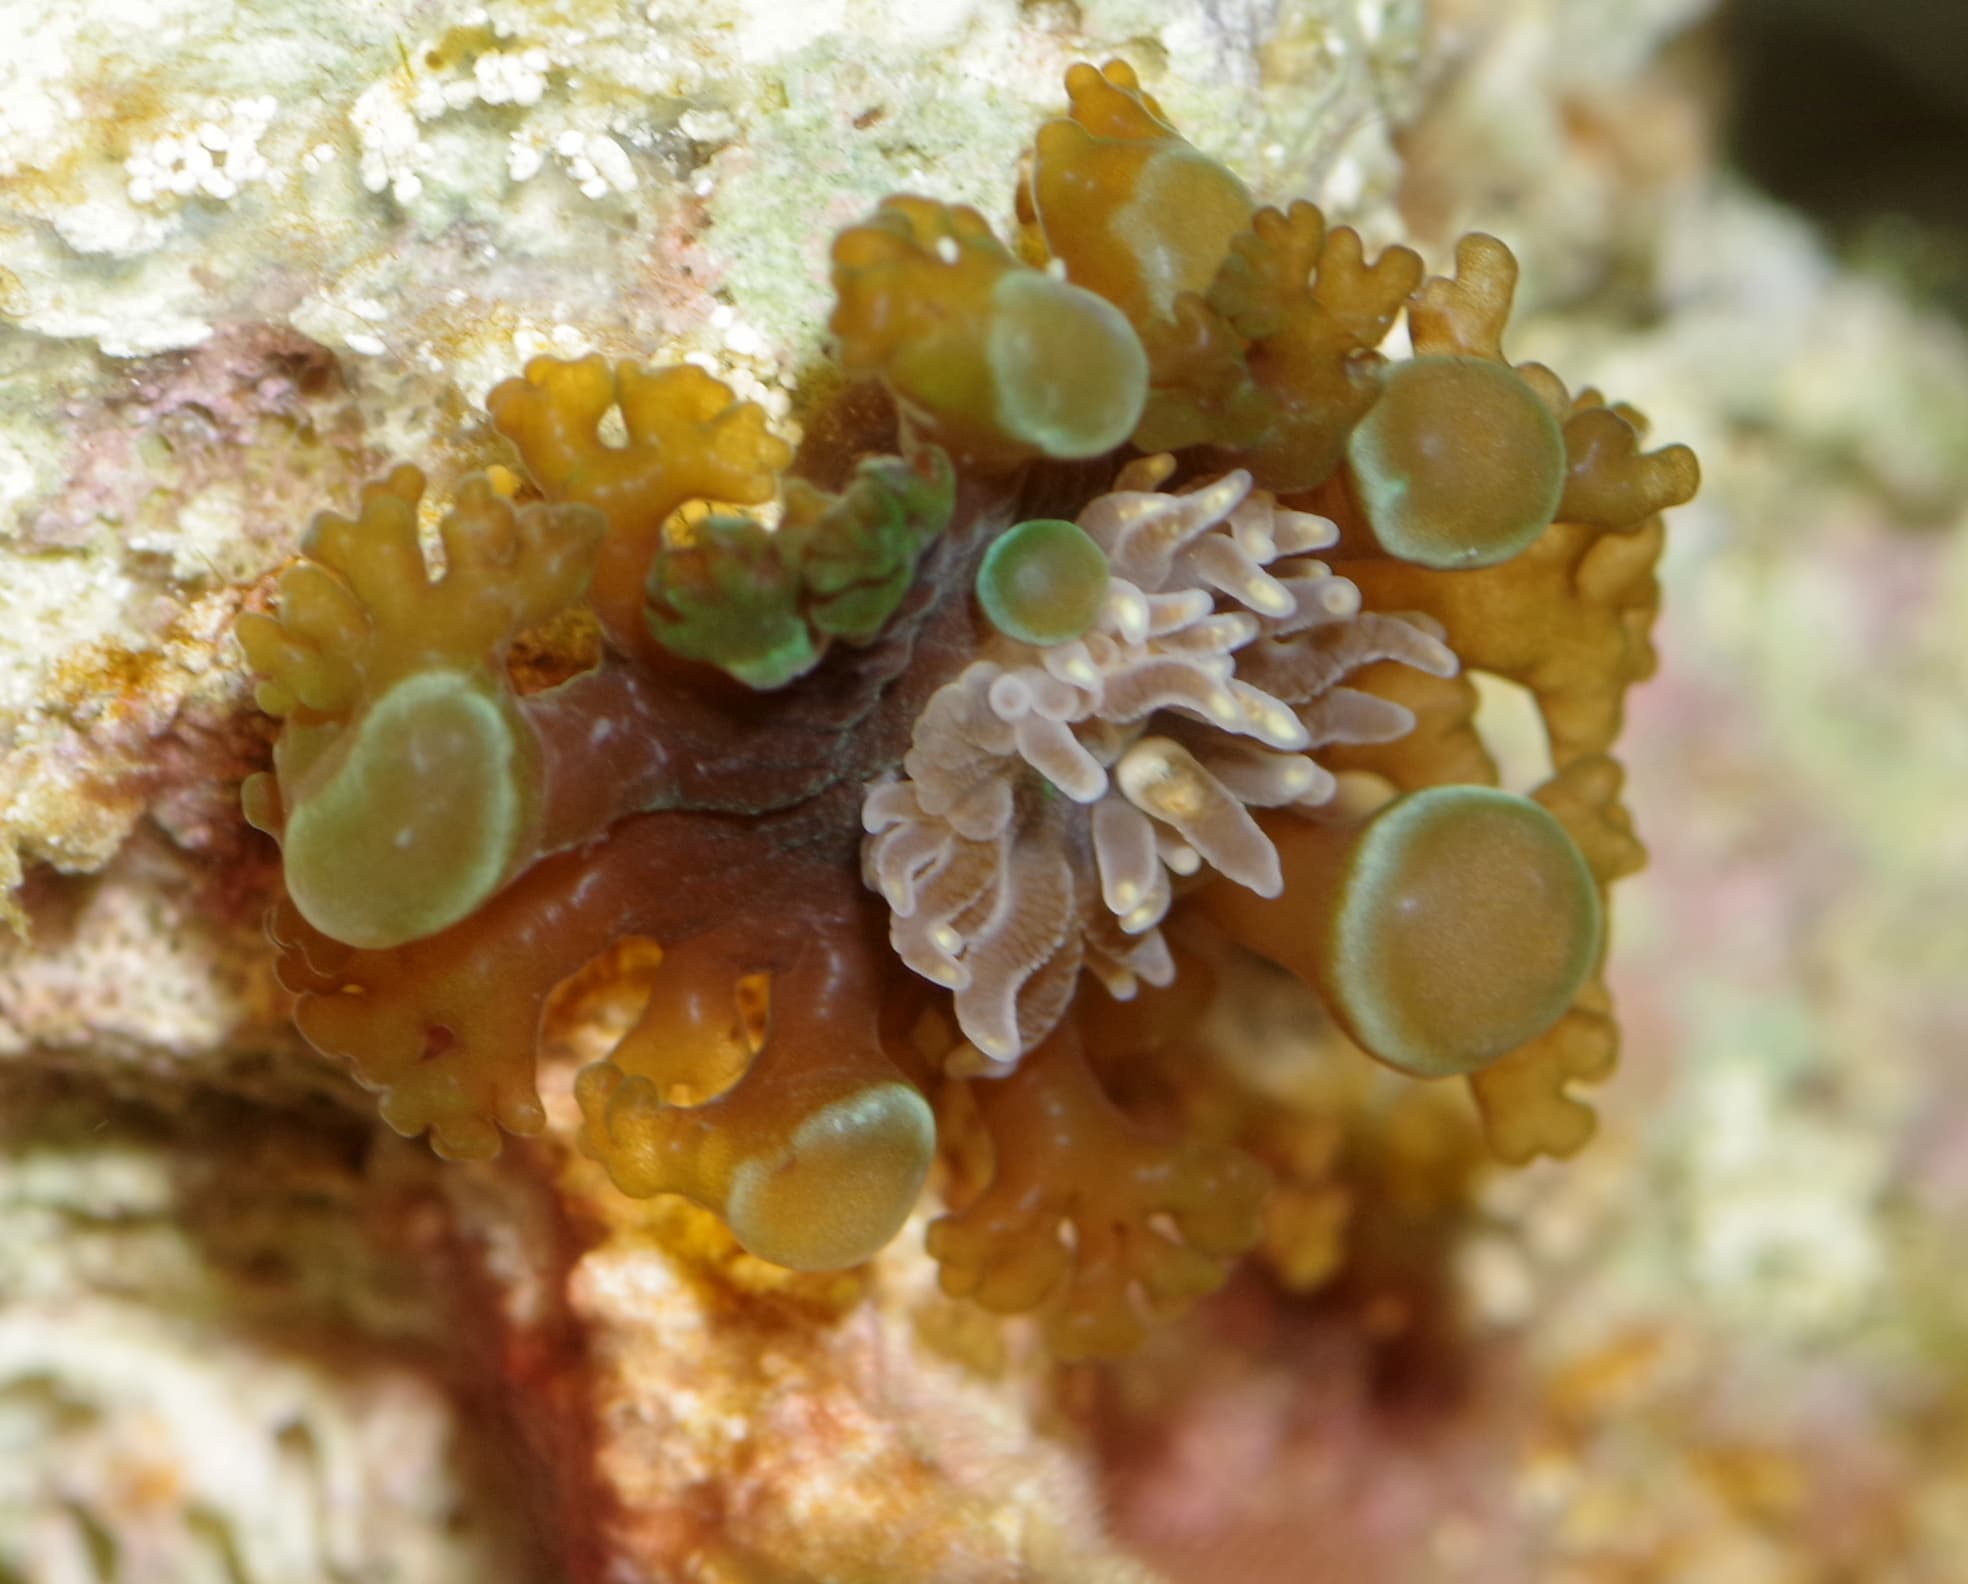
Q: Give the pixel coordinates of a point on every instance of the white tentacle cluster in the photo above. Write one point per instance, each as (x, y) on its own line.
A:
(1051, 792)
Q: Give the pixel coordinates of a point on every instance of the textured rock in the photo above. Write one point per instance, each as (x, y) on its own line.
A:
(245, 259)
(250, 260)
(223, 1356)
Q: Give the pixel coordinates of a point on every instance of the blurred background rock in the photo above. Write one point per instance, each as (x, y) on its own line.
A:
(1858, 116)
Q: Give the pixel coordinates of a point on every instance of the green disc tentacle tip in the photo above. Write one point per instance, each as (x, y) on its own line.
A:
(1043, 582)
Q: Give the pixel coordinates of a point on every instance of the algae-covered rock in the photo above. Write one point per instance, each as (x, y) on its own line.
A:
(250, 255)
(246, 258)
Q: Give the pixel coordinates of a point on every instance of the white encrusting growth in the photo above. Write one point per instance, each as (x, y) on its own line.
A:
(1051, 791)
(212, 159)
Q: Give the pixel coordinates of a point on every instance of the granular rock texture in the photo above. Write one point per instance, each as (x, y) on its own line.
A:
(246, 1334)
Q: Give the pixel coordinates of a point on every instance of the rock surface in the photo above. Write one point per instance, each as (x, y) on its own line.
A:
(245, 1335)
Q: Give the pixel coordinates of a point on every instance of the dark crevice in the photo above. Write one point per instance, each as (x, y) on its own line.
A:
(1858, 116)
